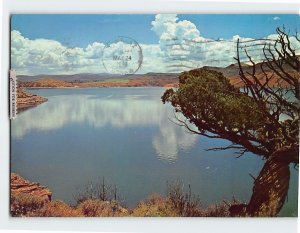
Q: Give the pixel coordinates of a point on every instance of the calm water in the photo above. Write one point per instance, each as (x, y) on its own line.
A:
(126, 135)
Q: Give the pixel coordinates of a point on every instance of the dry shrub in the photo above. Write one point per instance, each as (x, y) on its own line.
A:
(99, 201)
(218, 210)
(154, 206)
(57, 209)
(103, 191)
(24, 204)
(99, 208)
(186, 204)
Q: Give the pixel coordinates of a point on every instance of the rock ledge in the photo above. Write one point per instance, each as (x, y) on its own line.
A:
(20, 186)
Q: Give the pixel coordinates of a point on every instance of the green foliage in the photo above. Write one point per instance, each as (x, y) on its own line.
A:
(207, 96)
(207, 99)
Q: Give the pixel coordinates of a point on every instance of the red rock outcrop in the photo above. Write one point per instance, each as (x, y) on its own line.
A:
(18, 185)
(27, 100)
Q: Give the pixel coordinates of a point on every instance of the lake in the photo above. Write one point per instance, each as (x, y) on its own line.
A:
(127, 136)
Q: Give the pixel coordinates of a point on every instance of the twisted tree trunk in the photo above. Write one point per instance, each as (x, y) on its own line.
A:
(270, 187)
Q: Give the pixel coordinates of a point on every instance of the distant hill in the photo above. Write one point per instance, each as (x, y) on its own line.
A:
(67, 77)
(99, 80)
(46, 83)
(93, 77)
(135, 80)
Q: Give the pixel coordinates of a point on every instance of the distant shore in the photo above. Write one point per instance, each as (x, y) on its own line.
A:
(53, 83)
(168, 80)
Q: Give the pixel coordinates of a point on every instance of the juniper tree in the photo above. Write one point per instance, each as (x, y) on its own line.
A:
(262, 117)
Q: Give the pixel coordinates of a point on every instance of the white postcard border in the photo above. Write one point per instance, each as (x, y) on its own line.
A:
(211, 225)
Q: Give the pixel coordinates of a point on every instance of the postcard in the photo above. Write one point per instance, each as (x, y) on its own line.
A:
(154, 115)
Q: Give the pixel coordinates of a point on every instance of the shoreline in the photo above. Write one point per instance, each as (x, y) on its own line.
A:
(27, 100)
(30, 199)
(37, 88)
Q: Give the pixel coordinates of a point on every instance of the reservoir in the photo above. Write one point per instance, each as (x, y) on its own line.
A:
(128, 136)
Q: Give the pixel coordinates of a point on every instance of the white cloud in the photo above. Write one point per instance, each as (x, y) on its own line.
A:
(184, 47)
(50, 56)
(276, 18)
(41, 56)
(153, 59)
(169, 29)
(180, 47)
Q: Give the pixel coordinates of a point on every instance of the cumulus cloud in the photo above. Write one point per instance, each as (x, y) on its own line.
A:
(50, 56)
(185, 48)
(180, 47)
(169, 29)
(42, 56)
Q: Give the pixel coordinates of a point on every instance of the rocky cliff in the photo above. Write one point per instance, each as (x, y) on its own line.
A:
(21, 186)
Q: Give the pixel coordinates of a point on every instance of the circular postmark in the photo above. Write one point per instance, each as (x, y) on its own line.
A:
(122, 56)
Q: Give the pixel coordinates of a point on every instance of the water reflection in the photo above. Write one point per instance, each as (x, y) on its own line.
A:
(100, 111)
(170, 140)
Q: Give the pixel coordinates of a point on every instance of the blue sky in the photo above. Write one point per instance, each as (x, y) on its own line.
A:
(82, 31)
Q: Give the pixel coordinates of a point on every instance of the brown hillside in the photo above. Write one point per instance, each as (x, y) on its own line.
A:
(275, 81)
(46, 82)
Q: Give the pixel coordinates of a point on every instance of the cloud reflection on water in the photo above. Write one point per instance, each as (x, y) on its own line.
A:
(128, 111)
